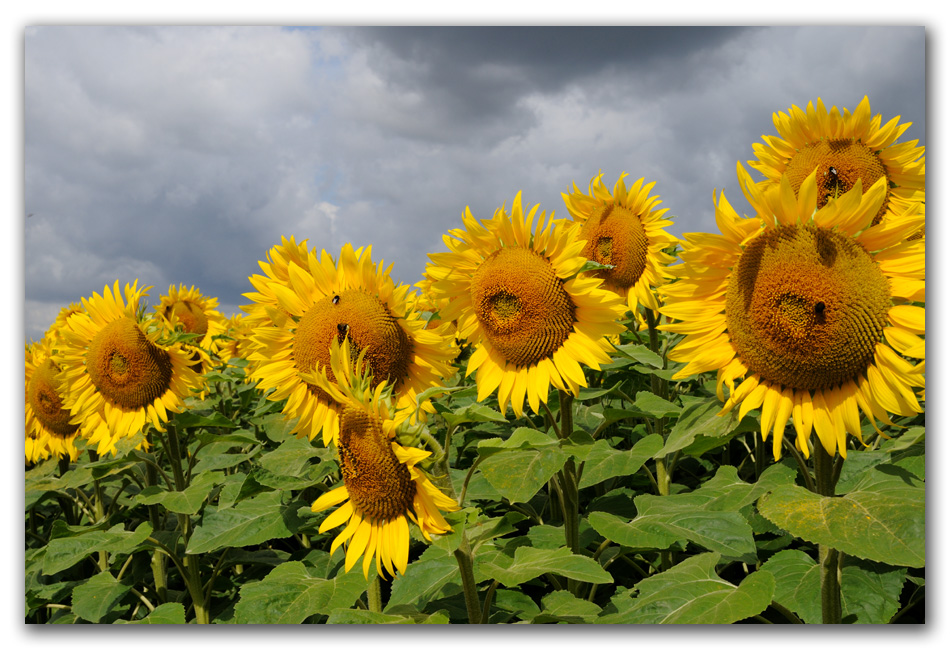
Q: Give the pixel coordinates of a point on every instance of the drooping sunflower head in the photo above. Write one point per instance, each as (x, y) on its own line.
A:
(842, 148)
(811, 305)
(117, 376)
(382, 487)
(355, 300)
(186, 308)
(624, 229)
(49, 429)
(514, 291)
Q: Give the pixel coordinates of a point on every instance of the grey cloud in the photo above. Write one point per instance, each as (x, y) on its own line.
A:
(183, 154)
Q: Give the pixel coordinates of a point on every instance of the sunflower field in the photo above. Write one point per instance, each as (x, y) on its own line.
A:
(574, 420)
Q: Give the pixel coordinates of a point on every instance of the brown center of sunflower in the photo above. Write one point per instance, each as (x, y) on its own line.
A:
(806, 307)
(128, 369)
(369, 325)
(192, 317)
(522, 305)
(44, 397)
(380, 487)
(615, 236)
(840, 163)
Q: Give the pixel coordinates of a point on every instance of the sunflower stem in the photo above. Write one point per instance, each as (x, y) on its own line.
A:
(568, 477)
(192, 572)
(463, 555)
(158, 559)
(374, 596)
(829, 559)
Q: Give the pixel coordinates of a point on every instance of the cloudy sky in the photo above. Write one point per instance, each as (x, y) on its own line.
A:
(182, 154)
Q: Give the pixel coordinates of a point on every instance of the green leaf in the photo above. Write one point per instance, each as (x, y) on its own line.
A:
(291, 593)
(424, 579)
(164, 614)
(913, 436)
(870, 592)
(691, 592)
(291, 458)
(515, 602)
(64, 552)
(563, 606)
(641, 354)
(797, 583)
(250, 522)
(604, 462)
(208, 462)
(98, 596)
(192, 420)
(881, 519)
(701, 420)
(697, 517)
(656, 406)
(520, 466)
(586, 393)
(187, 501)
(474, 413)
(529, 563)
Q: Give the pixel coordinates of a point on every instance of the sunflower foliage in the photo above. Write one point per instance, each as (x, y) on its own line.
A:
(613, 470)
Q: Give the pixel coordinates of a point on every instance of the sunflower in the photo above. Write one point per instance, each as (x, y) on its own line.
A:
(48, 427)
(516, 296)
(814, 308)
(118, 378)
(322, 301)
(625, 230)
(842, 148)
(195, 314)
(382, 486)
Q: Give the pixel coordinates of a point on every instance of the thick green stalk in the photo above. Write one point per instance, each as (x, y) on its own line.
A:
(192, 575)
(463, 555)
(568, 479)
(159, 565)
(829, 559)
(374, 596)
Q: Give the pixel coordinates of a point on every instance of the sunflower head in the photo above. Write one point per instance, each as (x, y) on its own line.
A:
(513, 289)
(624, 229)
(49, 429)
(117, 375)
(326, 301)
(186, 309)
(842, 149)
(808, 305)
(382, 486)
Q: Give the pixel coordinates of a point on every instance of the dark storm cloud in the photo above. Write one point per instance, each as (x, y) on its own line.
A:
(471, 79)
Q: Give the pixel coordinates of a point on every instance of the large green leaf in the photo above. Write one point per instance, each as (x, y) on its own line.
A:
(98, 596)
(290, 593)
(656, 406)
(604, 462)
(252, 521)
(475, 412)
(424, 579)
(64, 552)
(529, 563)
(164, 614)
(701, 419)
(880, 519)
(291, 458)
(870, 592)
(565, 607)
(187, 501)
(691, 592)
(641, 354)
(659, 527)
(519, 466)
